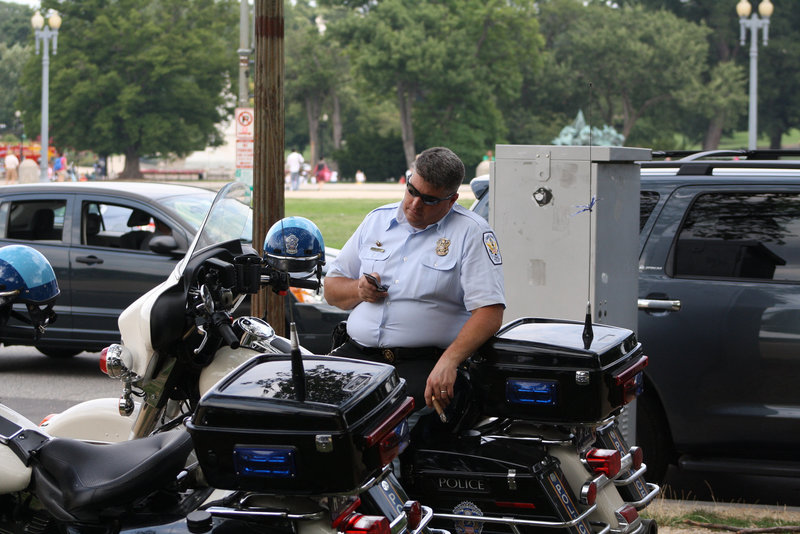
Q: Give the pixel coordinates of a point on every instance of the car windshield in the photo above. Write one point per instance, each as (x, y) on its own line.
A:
(230, 217)
(190, 208)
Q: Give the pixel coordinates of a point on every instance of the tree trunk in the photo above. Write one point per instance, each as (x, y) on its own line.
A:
(775, 140)
(132, 169)
(313, 108)
(337, 121)
(405, 100)
(714, 132)
(268, 152)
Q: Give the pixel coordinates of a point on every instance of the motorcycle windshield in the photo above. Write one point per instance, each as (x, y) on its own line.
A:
(230, 217)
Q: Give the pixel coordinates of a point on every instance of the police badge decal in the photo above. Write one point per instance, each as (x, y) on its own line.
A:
(468, 509)
(492, 247)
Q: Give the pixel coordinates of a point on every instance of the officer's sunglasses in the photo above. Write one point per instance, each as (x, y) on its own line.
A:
(428, 200)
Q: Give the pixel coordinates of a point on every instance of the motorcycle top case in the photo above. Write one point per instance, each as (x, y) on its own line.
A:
(541, 369)
(251, 432)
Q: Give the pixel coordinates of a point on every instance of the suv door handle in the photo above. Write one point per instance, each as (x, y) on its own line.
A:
(89, 260)
(659, 304)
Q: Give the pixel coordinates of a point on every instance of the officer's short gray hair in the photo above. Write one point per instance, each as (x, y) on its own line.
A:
(440, 167)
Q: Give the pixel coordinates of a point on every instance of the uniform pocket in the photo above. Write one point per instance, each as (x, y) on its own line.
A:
(439, 275)
(373, 259)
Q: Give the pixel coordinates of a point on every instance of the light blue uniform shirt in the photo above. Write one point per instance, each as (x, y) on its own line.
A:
(436, 276)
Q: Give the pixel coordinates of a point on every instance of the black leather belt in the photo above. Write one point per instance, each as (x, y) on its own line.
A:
(392, 354)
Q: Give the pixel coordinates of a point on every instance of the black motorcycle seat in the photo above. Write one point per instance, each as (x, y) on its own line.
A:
(89, 482)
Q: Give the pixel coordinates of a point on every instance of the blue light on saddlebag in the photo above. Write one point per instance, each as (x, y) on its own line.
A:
(531, 392)
(266, 462)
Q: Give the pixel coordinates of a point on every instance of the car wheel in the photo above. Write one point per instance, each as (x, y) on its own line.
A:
(652, 433)
(53, 352)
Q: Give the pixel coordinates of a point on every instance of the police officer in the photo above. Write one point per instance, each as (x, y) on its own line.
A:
(442, 269)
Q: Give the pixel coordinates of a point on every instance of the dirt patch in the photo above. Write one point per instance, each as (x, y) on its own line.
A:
(669, 511)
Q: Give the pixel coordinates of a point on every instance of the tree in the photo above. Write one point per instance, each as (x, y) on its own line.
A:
(446, 65)
(139, 77)
(15, 33)
(316, 70)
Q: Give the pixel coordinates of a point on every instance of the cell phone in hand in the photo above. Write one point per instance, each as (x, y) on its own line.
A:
(374, 281)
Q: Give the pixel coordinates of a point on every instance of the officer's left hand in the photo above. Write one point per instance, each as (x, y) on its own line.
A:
(441, 381)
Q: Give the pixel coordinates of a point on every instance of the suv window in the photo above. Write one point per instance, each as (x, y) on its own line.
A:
(741, 235)
(647, 202)
(117, 226)
(35, 220)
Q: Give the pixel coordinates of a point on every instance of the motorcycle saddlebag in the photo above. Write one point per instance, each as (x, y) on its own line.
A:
(251, 432)
(541, 370)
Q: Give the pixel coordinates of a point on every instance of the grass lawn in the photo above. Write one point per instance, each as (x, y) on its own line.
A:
(337, 218)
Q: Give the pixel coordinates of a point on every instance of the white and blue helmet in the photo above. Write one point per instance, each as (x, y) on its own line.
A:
(295, 245)
(26, 276)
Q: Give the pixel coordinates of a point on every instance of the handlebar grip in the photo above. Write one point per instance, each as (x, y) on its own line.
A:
(304, 283)
(228, 335)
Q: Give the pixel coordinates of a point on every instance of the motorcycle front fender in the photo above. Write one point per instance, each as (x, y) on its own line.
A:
(96, 420)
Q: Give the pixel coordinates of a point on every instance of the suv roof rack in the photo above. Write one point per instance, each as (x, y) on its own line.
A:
(741, 153)
(694, 163)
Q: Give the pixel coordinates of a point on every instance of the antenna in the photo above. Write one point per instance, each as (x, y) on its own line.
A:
(588, 333)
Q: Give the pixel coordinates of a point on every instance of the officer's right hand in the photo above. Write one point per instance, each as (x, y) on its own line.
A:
(367, 291)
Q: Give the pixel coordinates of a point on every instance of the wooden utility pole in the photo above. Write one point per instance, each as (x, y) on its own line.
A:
(268, 158)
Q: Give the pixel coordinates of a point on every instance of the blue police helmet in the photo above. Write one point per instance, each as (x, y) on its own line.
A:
(294, 244)
(26, 276)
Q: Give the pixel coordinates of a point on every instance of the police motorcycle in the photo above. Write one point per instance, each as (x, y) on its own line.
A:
(287, 441)
(531, 439)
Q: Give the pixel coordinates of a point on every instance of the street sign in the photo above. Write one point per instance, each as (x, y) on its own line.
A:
(245, 122)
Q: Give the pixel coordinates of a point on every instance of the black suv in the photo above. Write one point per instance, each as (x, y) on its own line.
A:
(719, 311)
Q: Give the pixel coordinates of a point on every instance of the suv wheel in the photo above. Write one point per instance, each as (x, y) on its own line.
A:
(653, 436)
(53, 352)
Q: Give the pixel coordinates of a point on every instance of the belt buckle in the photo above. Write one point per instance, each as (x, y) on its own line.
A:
(388, 355)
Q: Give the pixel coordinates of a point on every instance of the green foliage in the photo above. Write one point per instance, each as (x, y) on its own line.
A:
(138, 77)
(15, 23)
(15, 33)
(455, 62)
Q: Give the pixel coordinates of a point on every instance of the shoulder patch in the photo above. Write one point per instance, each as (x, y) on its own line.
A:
(492, 247)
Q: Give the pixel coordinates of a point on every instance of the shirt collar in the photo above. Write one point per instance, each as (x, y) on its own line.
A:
(400, 218)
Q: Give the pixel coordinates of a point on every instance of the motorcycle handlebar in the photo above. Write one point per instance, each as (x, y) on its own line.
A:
(304, 283)
(225, 331)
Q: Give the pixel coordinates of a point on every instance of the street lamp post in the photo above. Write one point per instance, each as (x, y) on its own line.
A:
(45, 34)
(753, 23)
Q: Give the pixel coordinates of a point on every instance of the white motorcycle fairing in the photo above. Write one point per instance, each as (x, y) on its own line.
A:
(14, 475)
(134, 324)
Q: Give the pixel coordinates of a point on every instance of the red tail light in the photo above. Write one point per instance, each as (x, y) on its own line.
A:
(627, 515)
(345, 514)
(413, 510)
(589, 493)
(366, 524)
(517, 505)
(637, 456)
(604, 461)
(629, 381)
(392, 435)
(103, 366)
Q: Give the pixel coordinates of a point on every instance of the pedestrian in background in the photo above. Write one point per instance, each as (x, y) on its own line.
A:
(322, 173)
(294, 162)
(360, 177)
(12, 166)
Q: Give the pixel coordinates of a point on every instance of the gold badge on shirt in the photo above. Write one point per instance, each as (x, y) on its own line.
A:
(442, 247)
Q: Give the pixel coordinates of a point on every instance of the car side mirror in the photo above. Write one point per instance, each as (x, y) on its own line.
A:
(163, 244)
